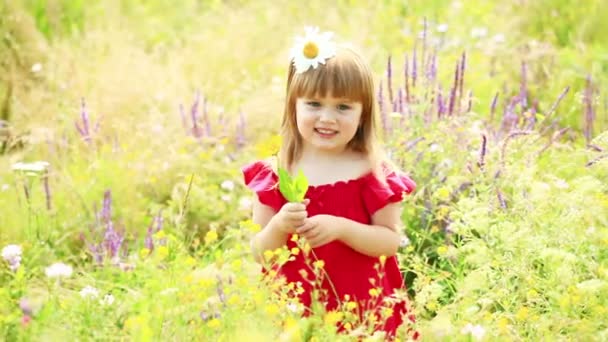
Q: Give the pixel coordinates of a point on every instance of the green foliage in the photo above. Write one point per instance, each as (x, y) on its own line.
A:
(293, 189)
(514, 241)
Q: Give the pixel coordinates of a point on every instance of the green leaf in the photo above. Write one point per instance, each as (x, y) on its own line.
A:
(293, 189)
(285, 185)
(301, 186)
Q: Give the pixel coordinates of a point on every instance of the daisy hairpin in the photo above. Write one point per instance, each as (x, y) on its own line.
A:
(313, 49)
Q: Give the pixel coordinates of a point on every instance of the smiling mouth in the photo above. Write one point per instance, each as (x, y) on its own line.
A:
(326, 132)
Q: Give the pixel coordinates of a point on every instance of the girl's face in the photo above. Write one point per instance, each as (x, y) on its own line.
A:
(327, 124)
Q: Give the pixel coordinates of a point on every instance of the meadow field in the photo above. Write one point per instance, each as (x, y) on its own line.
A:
(124, 126)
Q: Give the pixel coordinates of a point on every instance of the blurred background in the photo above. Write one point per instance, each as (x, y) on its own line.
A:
(144, 111)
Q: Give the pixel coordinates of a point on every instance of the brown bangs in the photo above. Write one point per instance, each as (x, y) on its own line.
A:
(342, 77)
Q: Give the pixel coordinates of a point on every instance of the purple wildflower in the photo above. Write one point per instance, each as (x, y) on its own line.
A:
(559, 99)
(493, 106)
(240, 130)
(206, 118)
(106, 212)
(25, 306)
(454, 90)
(400, 100)
(470, 104)
(461, 74)
(196, 130)
(414, 67)
(407, 81)
(523, 90)
(501, 199)
(424, 34)
(589, 112)
(482, 152)
(47, 189)
(382, 109)
(389, 79)
(440, 103)
(84, 130)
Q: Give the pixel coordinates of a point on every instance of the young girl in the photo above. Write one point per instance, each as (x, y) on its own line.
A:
(351, 215)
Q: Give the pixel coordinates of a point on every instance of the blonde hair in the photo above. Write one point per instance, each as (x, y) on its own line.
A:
(345, 75)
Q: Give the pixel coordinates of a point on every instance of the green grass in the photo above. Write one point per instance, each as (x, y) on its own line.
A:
(521, 253)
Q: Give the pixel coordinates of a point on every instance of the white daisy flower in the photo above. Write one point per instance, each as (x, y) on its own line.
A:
(404, 241)
(37, 166)
(477, 331)
(245, 203)
(58, 270)
(442, 28)
(36, 68)
(12, 255)
(227, 185)
(89, 292)
(107, 300)
(11, 252)
(312, 49)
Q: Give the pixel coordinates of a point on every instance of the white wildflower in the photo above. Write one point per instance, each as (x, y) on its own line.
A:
(442, 28)
(107, 300)
(12, 255)
(479, 32)
(499, 38)
(5, 187)
(37, 166)
(89, 292)
(226, 198)
(245, 203)
(477, 331)
(404, 242)
(58, 270)
(227, 185)
(36, 68)
(312, 50)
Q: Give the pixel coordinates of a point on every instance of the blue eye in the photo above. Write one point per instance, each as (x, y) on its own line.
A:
(344, 107)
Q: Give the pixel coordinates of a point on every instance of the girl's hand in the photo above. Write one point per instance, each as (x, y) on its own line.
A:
(320, 230)
(291, 216)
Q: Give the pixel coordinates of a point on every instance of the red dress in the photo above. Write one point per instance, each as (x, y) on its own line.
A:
(348, 271)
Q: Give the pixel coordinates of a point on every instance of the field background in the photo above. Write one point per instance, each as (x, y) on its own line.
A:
(146, 110)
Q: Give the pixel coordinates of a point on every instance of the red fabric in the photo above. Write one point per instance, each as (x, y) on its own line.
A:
(347, 271)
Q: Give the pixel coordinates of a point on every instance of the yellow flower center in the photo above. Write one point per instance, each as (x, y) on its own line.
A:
(311, 50)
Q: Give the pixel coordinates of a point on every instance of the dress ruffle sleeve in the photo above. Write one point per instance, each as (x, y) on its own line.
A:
(376, 195)
(260, 178)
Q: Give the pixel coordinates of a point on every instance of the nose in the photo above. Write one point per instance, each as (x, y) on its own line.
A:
(326, 115)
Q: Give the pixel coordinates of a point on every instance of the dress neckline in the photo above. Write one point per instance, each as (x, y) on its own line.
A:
(336, 183)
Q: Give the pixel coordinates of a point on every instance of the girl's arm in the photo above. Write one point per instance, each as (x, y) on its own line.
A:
(381, 237)
(270, 237)
(277, 226)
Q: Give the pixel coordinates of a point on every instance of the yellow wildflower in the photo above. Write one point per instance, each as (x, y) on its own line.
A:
(211, 236)
(333, 317)
(268, 254)
(144, 252)
(442, 250)
(162, 252)
(159, 235)
(213, 323)
(522, 313)
(382, 259)
(295, 251)
(190, 261)
(319, 264)
(350, 305)
(374, 292)
(234, 300)
(272, 309)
